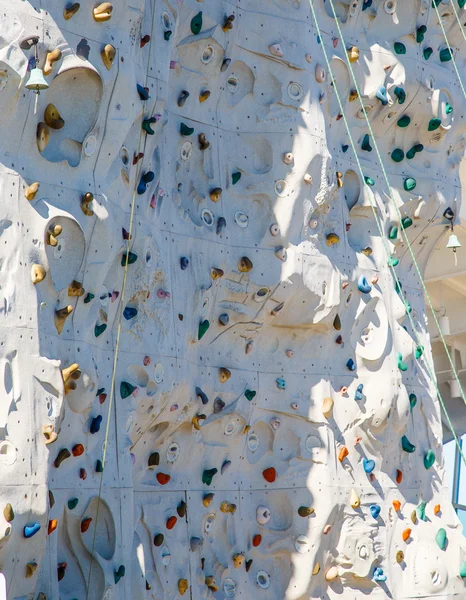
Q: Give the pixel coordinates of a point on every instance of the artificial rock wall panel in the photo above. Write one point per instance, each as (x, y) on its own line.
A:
(186, 192)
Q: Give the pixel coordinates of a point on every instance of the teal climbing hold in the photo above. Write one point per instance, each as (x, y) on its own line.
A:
(448, 107)
(408, 307)
(88, 298)
(399, 48)
(392, 261)
(167, 34)
(369, 181)
(412, 151)
(463, 564)
(30, 530)
(365, 144)
(146, 125)
(99, 329)
(407, 446)
(441, 538)
(427, 52)
(250, 394)
(401, 363)
(126, 389)
(281, 383)
(119, 574)
(406, 222)
(445, 55)
(404, 121)
(429, 459)
(235, 178)
(393, 233)
(412, 400)
(419, 351)
(461, 3)
(400, 94)
(421, 511)
(398, 155)
(196, 23)
(99, 466)
(434, 124)
(128, 256)
(381, 94)
(420, 33)
(409, 184)
(185, 130)
(208, 475)
(73, 503)
(203, 327)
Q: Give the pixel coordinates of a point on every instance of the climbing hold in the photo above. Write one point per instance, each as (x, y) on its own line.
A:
(215, 194)
(427, 52)
(368, 464)
(208, 475)
(437, 509)
(434, 124)
(52, 57)
(400, 94)
(400, 556)
(31, 191)
(53, 523)
(154, 460)
(429, 459)
(185, 130)
(421, 511)
(327, 406)
(396, 505)
(128, 258)
(42, 136)
(399, 476)
(108, 56)
(126, 389)
(224, 374)
(203, 143)
(332, 238)
(393, 233)
(62, 455)
(337, 323)
(200, 394)
(281, 383)
(379, 575)
(144, 40)
(276, 50)
(238, 560)
(355, 502)
(406, 222)
(182, 98)
(366, 143)
(130, 312)
(409, 184)
(406, 534)
(250, 395)
(399, 48)
(406, 445)
(30, 569)
(85, 523)
(305, 511)
(52, 234)
(197, 421)
(75, 289)
(30, 530)
(269, 474)
(70, 10)
(52, 118)
(145, 180)
(256, 540)
(99, 329)
(99, 468)
(82, 474)
(117, 575)
(381, 94)
(143, 92)
(196, 23)
(103, 12)
(343, 453)
(397, 155)
(228, 24)
(235, 177)
(171, 522)
(244, 265)
(158, 539)
(181, 509)
(363, 285)
(203, 96)
(375, 511)
(404, 121)
(184, 263)
(420, 33)
(445, 55)
(369, 181)
(216, 273)
(219, 405)
(221, 224)
(61, 316)
(353, 54)
(146, 125)
(183, 586)
(358, 393)
(8, 513)
(226, 507)
(77, 450)
(441, 539)
(163, 478)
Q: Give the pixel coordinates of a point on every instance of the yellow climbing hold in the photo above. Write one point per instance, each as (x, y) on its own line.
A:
(60, 317)
(37, 274)
(353, 54)
(327, 406)
(332, 238)
(86, 201)
(42, 136)
(71, 10)
(183, 586)
(224, 374)
(52, 57)
(31, 191)
(52, 117)
(52, 234)
(316, 568)
(108, 56)
(354, 499)
(103, 12)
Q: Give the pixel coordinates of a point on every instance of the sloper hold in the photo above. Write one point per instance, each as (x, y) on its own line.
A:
(196, 23)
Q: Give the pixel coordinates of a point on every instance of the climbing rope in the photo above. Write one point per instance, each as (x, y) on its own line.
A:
(120, 316)
(380, 228)
(434, 4)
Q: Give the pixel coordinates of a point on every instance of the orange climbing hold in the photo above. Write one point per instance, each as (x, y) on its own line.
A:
(77, 450)
(406, 534)
(270, 474)
(343, 454)
(163, 478)
(396, 505)
(256, 540)
(437, 509)
(171, 522)
(85, 523)
(53, 523)
(399, 476)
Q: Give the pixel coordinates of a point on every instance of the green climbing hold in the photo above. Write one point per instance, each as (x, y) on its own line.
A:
(445, 55)
(448, 107)
(99, 329)
(407, 446)
(427, 52)
(369, 181)
(208, 475)
(250, 394)
(429, 459)
(126, 389)
(132, 258)
(119, 574)
(185, 130)
(412, 152)
(401, 363)
(203, 327)
(406, 222)
(461, 3)
(393, 233)
(463, 570)
(73, 503)
(419, 351)
(434, 124)
(408, 307)
(420, 33)
(88, 298)
(400, 48)
(404, 121)
(365, 144)
(409, 184)
(235, 178)
(421, 511)
(196, 23)
(441, 538)
(412, 401)
(400, 94)
(99, 468)
(398, 155)
(392, 261)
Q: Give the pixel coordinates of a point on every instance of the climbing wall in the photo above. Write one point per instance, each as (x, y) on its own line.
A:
(216, 367)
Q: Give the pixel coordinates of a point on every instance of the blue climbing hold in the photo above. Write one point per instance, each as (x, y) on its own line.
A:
(30, 530)
(130, 313)
(379, 575)
(358, 392)
(95, 424)
(366, 4)
(281, 383)
(363, 285)
(381, 94)
(351, 365)
(145, 180)
(143, 93)
(184, 262)
(368, 464)
(375, 510)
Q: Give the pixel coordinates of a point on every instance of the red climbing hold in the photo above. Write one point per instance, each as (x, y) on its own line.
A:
(82, 474)
(256, 540)
(269, 474)
(85, 524)
(78, 449)
(163, 478)
(171, 522)
(399, 476)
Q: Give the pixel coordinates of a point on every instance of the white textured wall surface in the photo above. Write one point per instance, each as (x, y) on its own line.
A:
(261, 398)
